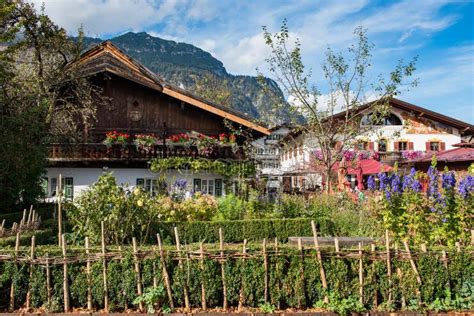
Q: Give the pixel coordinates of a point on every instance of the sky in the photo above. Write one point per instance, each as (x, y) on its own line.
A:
(440, 33)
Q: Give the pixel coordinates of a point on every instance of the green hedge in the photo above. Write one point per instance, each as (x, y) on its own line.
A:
(293, 282)
(237, 231)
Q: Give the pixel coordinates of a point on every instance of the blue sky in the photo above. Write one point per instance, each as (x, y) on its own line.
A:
(440, 32)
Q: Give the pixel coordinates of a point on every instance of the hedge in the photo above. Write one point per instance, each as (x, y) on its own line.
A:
(237, 231)
(294, 282)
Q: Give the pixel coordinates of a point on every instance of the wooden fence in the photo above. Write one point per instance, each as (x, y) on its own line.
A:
(30, 223)
(220, 254)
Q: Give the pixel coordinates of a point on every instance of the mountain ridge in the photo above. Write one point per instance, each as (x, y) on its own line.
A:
(184, 65)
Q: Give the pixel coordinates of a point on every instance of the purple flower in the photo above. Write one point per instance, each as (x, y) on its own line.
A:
(444, 219)
(384, 180)
(448, 180)
(466, 186)
(395, 183)
(371, 183)
(416, 186)
(180, 184)
(433, 174)
(388, 195)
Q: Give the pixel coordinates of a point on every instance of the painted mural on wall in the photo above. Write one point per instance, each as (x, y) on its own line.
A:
(419, 125)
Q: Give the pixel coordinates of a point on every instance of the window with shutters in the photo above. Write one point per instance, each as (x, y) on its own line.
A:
(434, 146)
(149, 185)
(69, 188)
(211, 186)
(54, 186)
(382, 145)
(362, 145)
(402, 146)
(218, 187)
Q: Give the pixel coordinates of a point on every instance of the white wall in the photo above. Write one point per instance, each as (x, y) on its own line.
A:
(84, 177)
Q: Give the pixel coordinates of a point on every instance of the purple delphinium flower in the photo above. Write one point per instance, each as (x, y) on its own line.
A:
(383, 181)
(388, 195)
(180, 184)
(466, 186)
(416, 186)
(371, 183)
(448, 180)
(395, 183)
(433, 174)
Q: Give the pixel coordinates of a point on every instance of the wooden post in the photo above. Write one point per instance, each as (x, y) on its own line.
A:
(48, 280)
(413, 265)
(29, 218)
(104, 267)
(375, 302)
(66, 282)
(445, 259)
(89, 277)
(60, 213)
(242, 275)
(400, 276)
(472, 237)
(137, 271)
(265, 267)
(389, 267)
(155, 280)
(224, 287)
(180, 263)
(302, 302)
(166, 276)
(361, 275)
(203, 279)
(23, 219)
(12, 288)
(32, 257)
(458, 246)
(320, 259)
(423, 247)
(2, 227)
(278, 283)
(336, 245)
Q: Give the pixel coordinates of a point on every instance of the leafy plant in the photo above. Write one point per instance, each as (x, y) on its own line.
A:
(267, 308)
(153, 298)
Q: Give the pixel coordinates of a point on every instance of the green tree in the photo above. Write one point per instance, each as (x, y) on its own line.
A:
(44, 97)
(348, 82)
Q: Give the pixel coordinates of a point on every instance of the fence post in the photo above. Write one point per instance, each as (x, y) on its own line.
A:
(361, 275)
(166, 276)
(155, 280)
(265, 267)
(336, 246)
(48, 280)
(413, 266)
(12, 288)
(203, 279)
(242, 276)
(458, 246)
(224, 287)
(180, 263)
(389, 266)
(375, 302)
(59, 190)
(137, 271)
(320, 259)
(66, 282)
(32, 257)
(89, 278)
(302, 304)
(2, 227)
(472, 237)
(278, 284)
(104, 267)
(400, 276)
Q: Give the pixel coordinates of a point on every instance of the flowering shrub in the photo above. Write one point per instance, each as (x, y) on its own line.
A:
(412, 154)
(179, 138)
(200, 207)
(145, 142)
(116, 138)
(443, 214)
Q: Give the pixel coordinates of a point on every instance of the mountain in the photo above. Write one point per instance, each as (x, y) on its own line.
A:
(184, 65)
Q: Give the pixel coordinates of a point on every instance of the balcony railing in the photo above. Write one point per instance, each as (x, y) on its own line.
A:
(100, 152)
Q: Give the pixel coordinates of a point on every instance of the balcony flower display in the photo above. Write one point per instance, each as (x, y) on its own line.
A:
(412, 154)
(206, 144)
(145, 142)
(116, 138)
(179, 138)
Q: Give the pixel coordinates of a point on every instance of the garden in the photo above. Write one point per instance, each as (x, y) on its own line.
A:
(125, 249)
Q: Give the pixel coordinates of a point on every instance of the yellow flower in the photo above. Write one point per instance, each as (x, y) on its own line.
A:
(136, 191)
(140, 203)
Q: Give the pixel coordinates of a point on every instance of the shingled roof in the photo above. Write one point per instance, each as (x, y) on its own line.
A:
(106, 57)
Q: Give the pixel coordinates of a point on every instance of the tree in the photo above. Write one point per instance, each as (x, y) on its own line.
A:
(212, 88)
(44, 97)
(346, 76)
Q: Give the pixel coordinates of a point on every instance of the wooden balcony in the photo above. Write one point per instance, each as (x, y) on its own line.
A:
(100, 152)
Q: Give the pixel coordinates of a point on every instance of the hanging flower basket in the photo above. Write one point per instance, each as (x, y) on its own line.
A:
(116, 138)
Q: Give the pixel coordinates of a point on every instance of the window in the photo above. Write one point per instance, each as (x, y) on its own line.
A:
(389, 120)
(54, 186)
(69, 188)
(212, 187)
(434, 146)
(363, 145)
(149, 185)
(274, 137)
(382, 144)
(402, 146)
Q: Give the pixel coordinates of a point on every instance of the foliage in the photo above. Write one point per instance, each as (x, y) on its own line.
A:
(145, 142)
(44, 98)
(224, 168)
(199, 207)
(153, 298)
(442, 214)
(294, 282)
(230, 207)
(347, 77)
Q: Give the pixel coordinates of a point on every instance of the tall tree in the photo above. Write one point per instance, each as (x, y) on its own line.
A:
(348, 82)
(44, 97)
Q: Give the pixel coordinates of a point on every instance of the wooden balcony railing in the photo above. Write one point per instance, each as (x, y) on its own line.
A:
(100, 152)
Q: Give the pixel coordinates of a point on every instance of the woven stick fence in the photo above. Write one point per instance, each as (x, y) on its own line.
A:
(28, 223)
(183, 255)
